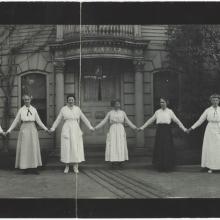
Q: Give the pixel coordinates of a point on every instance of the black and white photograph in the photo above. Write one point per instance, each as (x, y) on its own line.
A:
(109, 112)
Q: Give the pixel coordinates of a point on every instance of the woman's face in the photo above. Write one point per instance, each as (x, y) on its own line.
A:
(27, 100)
(71, 101)
(215, 101)
(117, 105)
(163, 103)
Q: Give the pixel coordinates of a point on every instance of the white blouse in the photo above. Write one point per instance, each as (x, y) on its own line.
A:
(116, 117)
(27, 114)
(1, 129)
(74, 113)
(164, 116)
(211, 114)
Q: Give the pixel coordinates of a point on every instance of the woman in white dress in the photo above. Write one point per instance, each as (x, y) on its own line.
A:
(164, 152)
(28, 155)
(72, 150)
(116, 143)
(211, 141)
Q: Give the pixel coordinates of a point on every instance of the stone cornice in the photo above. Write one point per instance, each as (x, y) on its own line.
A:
(100, 42)
(95, 48)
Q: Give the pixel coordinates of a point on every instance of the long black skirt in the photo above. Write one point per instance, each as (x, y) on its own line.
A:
(164, 152)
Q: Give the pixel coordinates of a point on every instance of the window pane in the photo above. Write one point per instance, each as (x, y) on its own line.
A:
(35, 84)
(96, 78)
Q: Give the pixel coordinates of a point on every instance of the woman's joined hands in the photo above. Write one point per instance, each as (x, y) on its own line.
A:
(140, 129)
(3, 133)
(188, 130)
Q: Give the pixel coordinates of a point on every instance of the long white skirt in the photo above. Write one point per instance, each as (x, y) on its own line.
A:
(116, 144)
(72, 150)
(211, 147)
(28, 148)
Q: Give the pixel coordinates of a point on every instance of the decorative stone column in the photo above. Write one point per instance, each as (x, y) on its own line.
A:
(59, 73)
(139, 101)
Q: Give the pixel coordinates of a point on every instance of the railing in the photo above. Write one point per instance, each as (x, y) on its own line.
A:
(71, 31)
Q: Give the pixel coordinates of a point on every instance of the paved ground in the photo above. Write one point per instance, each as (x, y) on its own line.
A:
(144, 182)
(96, 180)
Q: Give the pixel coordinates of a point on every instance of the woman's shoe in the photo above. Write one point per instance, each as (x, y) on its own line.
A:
(25, 171)
(35, 171)
(209, 171)
(66, 170)
(75, 169)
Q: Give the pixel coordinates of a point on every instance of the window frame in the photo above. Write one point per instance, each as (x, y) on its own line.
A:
(47, 88)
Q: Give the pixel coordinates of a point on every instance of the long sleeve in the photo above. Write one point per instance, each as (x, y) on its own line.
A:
(1, 129)
(39, 122)
(177, 121)
(15, 122)
(85, 120)
(202, 118)
(57, 121)
(130, 124)
(103, 122)
(149, 121)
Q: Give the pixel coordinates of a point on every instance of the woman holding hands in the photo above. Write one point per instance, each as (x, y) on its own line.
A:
(28, 155)
(211, 141)
(164, 152)
(116, 144)
(72, 150)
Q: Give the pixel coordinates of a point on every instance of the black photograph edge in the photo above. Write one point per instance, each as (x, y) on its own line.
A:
(102, 13)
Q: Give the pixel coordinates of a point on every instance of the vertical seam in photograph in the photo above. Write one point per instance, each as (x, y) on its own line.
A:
(80, 74)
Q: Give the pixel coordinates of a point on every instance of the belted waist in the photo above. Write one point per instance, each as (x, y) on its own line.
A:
(112, 123)
(27, 122)
(214, 122)
(71, 119)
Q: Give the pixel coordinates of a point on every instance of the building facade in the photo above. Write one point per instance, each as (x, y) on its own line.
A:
(128, 62)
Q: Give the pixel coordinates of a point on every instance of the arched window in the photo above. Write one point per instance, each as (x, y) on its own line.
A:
(35, 84)
(166, 84)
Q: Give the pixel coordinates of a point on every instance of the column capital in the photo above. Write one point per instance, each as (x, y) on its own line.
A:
(138, 65)
(59, 65)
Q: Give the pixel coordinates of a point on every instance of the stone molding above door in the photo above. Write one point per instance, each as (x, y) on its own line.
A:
(99, 48)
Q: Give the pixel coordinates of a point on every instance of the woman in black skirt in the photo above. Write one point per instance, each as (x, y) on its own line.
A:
(164, 153)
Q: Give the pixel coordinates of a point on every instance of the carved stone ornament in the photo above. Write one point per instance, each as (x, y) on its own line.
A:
(58, 53)
(138, 65)
(59, 65)
(132, 49)
(96, 50)
(106, 50)
(138, 52)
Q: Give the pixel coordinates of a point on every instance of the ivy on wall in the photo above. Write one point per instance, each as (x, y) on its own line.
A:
(11, 45)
